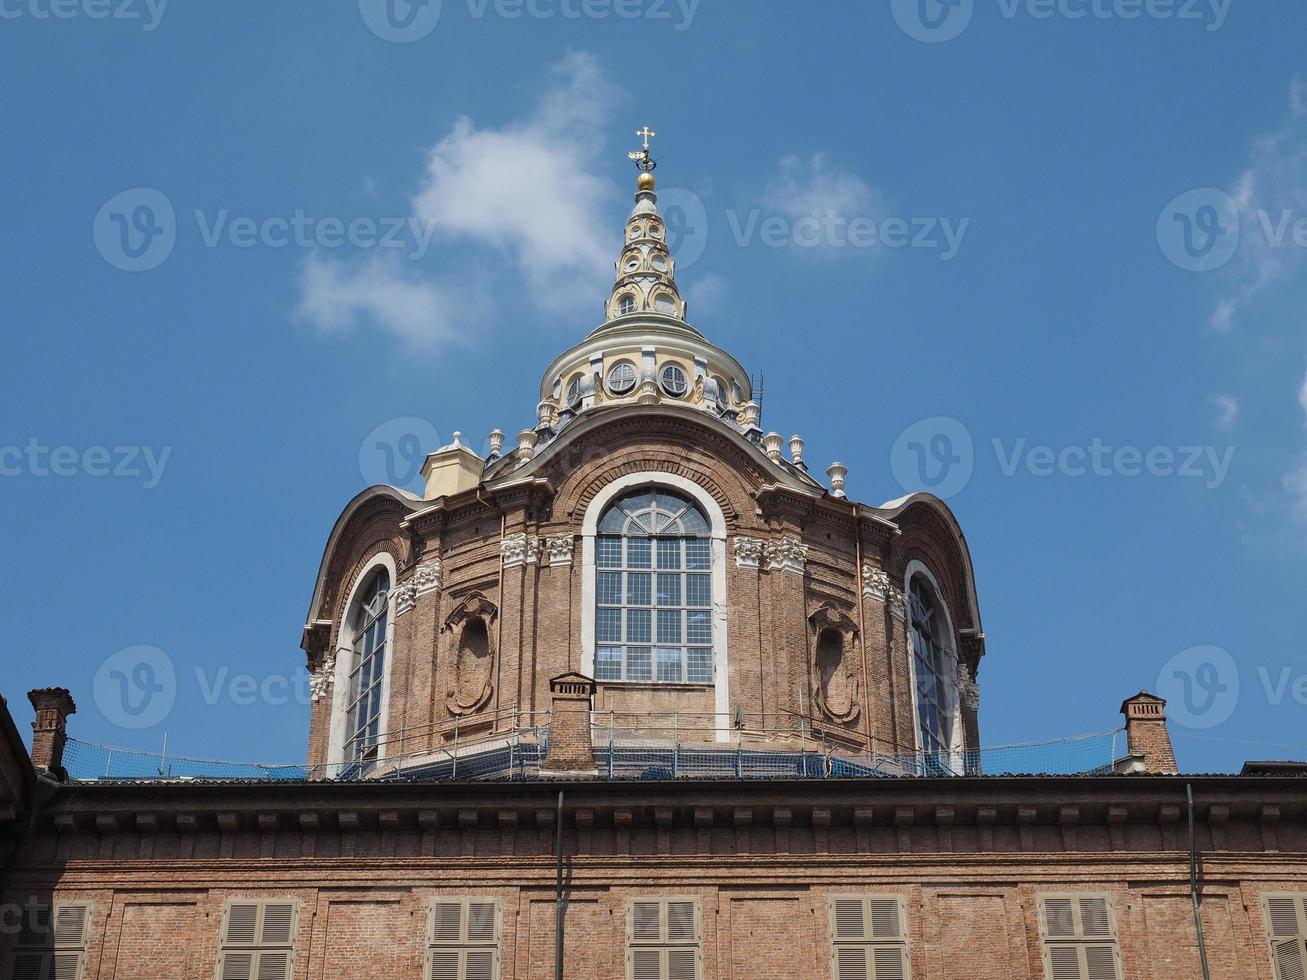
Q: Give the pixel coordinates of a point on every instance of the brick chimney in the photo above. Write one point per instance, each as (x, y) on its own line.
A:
(1146, 734)
(50, 730)
(571, 748)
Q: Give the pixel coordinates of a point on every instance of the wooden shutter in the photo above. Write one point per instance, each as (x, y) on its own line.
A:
(52, 943)
(663, 939)
(1286, 927)
(463, 939)
(1079, 938)
(258, 940)
(869, 938)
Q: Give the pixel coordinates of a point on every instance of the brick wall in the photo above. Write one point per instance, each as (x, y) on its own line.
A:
(969, 858)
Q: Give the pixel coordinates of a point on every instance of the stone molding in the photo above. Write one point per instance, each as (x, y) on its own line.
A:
(749, 552)
(323, 678)
(876, 585)
(787, 555)
(968, 688)
(560, 549)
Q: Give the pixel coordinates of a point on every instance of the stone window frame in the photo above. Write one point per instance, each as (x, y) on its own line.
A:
(956, 732)
(337, 734)
(717, 545)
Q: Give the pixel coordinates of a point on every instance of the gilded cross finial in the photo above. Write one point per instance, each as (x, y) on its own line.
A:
(643, 162)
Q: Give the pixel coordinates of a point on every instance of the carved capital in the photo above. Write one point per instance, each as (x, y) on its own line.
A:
(749, 552)
(534, 546)
(513, 547)
(968, 688)
(787, 555)
(406, 598)
(426, 577)
(323, 678)
(560, 549)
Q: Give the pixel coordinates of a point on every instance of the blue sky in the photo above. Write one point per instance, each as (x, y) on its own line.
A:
(1017, 178)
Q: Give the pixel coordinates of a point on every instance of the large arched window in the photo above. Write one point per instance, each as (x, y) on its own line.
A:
(367, 620)
(930, 660)
(653, 591)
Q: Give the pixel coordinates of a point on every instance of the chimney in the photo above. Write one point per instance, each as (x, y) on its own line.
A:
(50, 730)
(1146, 734)
(571, 748)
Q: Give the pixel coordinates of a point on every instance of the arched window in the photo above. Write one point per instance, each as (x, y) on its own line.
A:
(621, 378)
(930, 645)
(674, 380)
(367, 620)
(574, 391)
(626, 304)
(653, 591)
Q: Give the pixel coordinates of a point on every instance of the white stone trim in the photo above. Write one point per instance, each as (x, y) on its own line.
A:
(560, 549)
(787, 555)
(749, 552)
(717, 534)
(342, 666)
(957, 737)
(513, 548)
(876, 585)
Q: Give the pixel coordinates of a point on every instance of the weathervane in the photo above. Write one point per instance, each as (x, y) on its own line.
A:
(643, 161)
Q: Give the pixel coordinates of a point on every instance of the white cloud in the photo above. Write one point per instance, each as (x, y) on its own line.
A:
(528, 188)
(1272, 188)
(525, 189)
(339, 295)
(1227, 411)
(1295, 481)
(814, 188)
(706, 293)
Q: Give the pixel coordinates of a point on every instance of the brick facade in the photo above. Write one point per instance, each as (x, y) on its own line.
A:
(969, 858)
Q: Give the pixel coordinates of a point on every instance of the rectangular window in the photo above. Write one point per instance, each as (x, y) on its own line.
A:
(51, 943)
(1286, 927)
(463, 939)
(869, 938)
(653, 618)
(258, 940)
(1079, 938)
(663, 939)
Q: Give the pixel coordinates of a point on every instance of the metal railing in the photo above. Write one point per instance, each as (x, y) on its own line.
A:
(628, 745)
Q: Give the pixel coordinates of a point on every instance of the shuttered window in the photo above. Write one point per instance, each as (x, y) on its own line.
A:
(663, 939)
(463, 939)
(51, 943)
(869, 938)
(258, 940)
(1286, 926)
(1079, 938)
